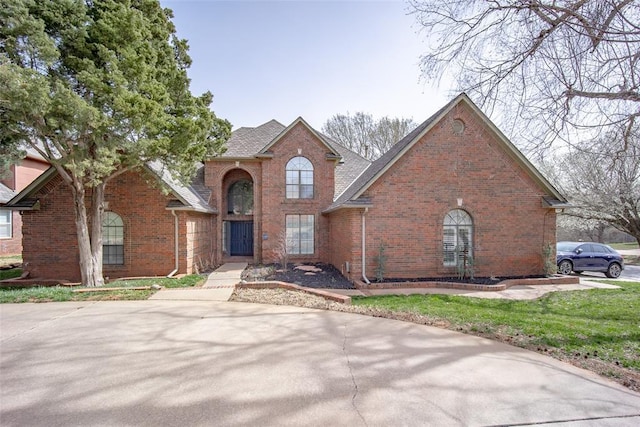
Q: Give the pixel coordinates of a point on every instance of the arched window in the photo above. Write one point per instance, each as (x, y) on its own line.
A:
(112, 239)
(299, 178)
(457, 237)
(240, 198)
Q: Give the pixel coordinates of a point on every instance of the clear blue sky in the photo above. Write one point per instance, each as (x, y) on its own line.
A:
(266, 60)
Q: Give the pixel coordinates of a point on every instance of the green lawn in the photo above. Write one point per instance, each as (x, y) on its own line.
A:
(600, 324)
(65, 293)
(10, 274)
(624, 246)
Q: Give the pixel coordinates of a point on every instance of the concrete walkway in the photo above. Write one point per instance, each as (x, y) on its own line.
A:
(218, 287)
(204, 363)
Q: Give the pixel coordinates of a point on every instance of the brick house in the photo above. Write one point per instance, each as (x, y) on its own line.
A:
(453, 189)
(17, 178)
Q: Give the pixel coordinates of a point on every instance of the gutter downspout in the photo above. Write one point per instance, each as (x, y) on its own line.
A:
(175, 238)
(364, 241)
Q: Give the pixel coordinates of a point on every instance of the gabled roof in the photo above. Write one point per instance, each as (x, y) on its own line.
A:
(6, 193)
(353, 193)
(250, 143)
(187, 197)
(247, 142)
(297, 121)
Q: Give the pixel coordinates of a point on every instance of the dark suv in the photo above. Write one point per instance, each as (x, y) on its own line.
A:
(588, 256)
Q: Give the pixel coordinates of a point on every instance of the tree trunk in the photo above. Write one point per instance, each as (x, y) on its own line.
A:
(97, 215)
(90, 275)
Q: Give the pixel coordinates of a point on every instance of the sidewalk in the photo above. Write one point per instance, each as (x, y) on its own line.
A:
(218, 287)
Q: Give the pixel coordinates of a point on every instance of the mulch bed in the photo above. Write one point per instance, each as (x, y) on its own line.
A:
(328, 277)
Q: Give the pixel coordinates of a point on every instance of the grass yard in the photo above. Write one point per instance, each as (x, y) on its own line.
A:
(624, 246)
(10, 259)
(65, 293)
(597, 329)
(10, 274)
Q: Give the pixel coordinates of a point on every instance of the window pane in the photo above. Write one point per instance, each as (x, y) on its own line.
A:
(300, 234)
(292, 191)
(112, 239)
(306, 177)
(299, 178)
(457, 237)
(293, 177)
(306, 191)
(5, 224)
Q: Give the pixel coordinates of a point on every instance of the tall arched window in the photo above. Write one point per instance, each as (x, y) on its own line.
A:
(112, 239)
(240, 198)
(299, 178)
(457, 237)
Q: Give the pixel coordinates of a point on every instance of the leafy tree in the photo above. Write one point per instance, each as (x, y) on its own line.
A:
(368, 137)
(604, 184)
(565, 68)
(100, 87)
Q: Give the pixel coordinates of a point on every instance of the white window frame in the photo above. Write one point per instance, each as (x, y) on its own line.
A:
(457, 237)
(6, 224)
(299, 178)
(300, 234)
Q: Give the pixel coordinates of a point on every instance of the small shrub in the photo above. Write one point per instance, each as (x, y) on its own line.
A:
(381, 262)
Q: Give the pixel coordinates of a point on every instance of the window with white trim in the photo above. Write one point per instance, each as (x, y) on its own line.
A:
(457, 237)
(300, 234)
(5, 224)
(112, 239)
(299, 178)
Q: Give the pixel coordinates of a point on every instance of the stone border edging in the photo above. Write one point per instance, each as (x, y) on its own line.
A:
(500, 286)
(343, 299)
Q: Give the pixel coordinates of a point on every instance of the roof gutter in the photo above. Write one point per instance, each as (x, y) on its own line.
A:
(176, 246)
(364, 247)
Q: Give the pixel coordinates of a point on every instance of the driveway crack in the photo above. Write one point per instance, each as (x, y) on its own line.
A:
(354, 396)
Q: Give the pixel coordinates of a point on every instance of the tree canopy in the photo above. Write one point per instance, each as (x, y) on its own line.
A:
(365, 135)
(99, 87)
(604, 184)
(564, 69)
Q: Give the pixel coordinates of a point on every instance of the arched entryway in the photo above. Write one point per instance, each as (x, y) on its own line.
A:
(238, 229)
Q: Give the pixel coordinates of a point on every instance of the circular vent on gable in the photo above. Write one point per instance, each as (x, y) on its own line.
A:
(458, 126)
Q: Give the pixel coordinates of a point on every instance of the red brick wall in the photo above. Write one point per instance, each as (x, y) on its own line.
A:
(200, 242)
(50, 240)
(345, 241)
(299, 141)
(412, 198)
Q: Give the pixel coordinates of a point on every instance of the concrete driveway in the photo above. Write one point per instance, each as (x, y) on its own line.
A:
(216, 363)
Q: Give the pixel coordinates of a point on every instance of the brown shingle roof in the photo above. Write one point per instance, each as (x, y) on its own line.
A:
(6, 193)
(247, 142)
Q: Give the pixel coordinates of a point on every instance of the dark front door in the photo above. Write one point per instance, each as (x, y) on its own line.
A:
(241, 243)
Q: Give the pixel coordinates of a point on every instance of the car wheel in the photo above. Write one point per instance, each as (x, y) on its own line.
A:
(565, 267)
(614, 270)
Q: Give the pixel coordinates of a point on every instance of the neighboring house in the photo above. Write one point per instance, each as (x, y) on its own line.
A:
(17, 178)
(455, 188)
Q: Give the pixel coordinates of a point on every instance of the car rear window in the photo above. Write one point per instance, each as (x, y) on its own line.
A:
(566, 247)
